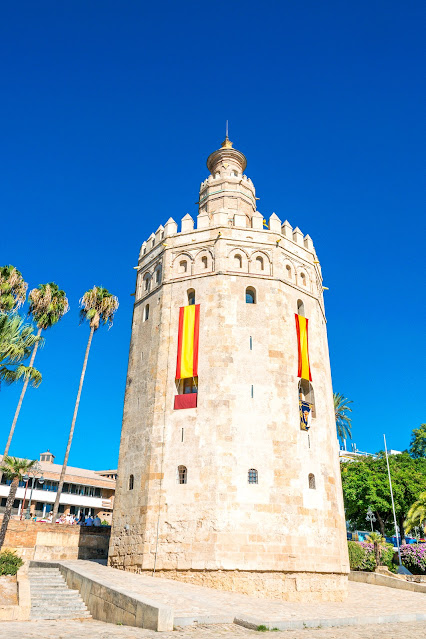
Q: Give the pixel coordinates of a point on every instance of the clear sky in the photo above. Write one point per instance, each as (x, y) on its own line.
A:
(108, 113)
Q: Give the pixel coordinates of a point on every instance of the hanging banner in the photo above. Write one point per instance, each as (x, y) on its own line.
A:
(305, 410)
(304, 369)
(187, 353)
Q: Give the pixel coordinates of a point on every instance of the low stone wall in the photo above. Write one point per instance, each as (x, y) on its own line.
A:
(290, 586)
(113, 606)
(21, 611)
(376, 579)
(49, 542)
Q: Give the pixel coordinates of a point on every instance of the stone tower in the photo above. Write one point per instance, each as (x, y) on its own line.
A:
(228, 473)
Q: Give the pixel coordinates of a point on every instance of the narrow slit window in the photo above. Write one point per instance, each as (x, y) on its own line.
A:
(252, 391)
(288, 270)
(259, 263)
(300, 308)
(311, 479)
(146, 314)
(251, 343)
(191, 297)
(204, 262)
(131, 482)
(238, 261)
(182, 475)
(253, 477)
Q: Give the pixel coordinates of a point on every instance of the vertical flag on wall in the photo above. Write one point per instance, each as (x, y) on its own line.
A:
(304, 370)
(187, 353)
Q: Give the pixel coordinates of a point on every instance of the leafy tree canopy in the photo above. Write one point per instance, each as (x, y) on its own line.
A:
(365, 483)
(418, 442)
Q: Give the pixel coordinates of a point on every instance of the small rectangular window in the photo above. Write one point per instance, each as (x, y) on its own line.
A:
(251, 343)
(252, 391)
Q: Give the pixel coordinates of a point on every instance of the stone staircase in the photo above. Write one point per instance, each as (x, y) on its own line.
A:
(51, 598)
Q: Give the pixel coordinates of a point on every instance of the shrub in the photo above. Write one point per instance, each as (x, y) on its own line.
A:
(361, 556)
(9, 563)
(413, 557)
(356, 555)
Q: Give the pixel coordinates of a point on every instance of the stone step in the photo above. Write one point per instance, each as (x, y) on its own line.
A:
(41, 605)
(55, 599)
(60, 615)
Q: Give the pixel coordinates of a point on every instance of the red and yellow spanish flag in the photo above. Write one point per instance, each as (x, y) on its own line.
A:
(187, 354)
(304, 370)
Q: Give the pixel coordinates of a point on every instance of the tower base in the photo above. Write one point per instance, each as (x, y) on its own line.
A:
(284, 586)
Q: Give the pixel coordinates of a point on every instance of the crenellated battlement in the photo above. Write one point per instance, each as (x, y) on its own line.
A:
(220, 219)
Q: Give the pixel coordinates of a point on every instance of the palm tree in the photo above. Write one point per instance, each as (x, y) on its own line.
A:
(17, 341)
(15, 470)
(98, 306)
(13, 289)
(343, 422)
(48, 304)
(416, 515)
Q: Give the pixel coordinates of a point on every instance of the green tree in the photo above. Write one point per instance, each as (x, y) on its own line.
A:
(13, 289)
(343, 421)
(365, 483)
(48, 304)
(14, 469)
(98, 306)
(416, 516)
(418, 442)
(17, 341)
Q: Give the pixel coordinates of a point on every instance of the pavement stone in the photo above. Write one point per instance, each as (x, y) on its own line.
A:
(71, 629)
(192, 603)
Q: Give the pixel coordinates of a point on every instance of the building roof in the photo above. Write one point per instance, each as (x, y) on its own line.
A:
(89, 476)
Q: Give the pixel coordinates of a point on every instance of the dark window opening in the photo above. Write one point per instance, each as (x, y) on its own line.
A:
(311, 479)
(182, 475)
(253, 476)
(131, 482)
(191, 297)
(250, 295)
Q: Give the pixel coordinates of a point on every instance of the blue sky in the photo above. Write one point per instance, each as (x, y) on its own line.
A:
(109, 111)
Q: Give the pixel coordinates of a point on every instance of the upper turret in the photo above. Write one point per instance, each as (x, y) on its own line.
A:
(227, 188)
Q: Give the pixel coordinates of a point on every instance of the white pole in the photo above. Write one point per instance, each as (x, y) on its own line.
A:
(393, 504)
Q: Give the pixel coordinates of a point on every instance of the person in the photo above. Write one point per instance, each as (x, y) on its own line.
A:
(50, 517)
(89, 521)
(97, 521)
(82, 519)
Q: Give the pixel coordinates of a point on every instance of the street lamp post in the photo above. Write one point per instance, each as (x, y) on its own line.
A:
(370, 517)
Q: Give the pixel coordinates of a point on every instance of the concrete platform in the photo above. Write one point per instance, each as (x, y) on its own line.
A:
(195, 605)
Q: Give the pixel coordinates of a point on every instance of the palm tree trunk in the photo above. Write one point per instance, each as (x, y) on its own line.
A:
(21, 399)
(67, 452)
(381, 523)
(8, 509)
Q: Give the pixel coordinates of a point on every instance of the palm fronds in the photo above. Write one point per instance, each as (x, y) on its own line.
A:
(17, 341)
(98, 306)
(13, 289)
(13, 467)
(416, 515)
(343, 421)
(48, 304)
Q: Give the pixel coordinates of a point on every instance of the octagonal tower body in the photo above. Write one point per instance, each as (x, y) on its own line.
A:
(285, 535)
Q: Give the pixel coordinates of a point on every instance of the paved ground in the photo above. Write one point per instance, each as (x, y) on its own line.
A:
(99, 630)
(191, 602)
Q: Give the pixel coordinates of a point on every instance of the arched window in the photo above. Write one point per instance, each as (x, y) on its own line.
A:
(306, 394)
(191, 296)
(146, 314)
(131, 482)
(204, 261)
(153, 242)
(158, 275)
(182, 475)
(238, 262)
(303, 279)
(300, 308)
(288, 270)
(259, 263)
(253, 477)
(183, 266)
(235, 173)
(311, 479)
(250, 295)
(147, 285)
